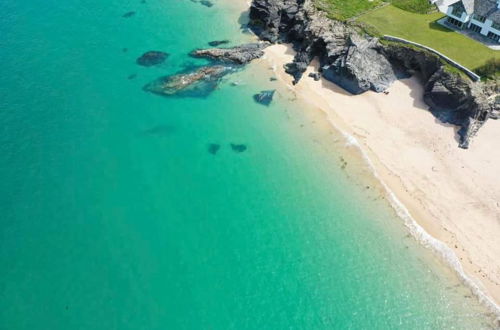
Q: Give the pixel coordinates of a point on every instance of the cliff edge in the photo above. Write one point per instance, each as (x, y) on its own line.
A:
(358, 62)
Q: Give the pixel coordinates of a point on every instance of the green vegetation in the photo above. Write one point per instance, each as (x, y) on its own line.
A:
(447, 66)
(425, 30)
(345, 9)
(414, 6)
(491, 69)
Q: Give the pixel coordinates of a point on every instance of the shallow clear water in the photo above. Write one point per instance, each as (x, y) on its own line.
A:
(116, 216)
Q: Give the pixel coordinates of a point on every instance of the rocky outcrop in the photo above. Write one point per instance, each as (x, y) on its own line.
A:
(197, 83)
(151, 58)
(264, 97)
(239, 55)
(359, 63)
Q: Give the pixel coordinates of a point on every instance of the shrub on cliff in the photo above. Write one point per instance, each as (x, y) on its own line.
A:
(490, 70)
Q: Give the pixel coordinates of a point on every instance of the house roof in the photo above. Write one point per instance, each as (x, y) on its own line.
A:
(469, 5)
(488, 9)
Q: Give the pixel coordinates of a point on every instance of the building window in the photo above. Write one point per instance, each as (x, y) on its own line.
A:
(455, 22)
(475, 28)
(479, 18)
(457, 10)
(494, 36)
(496, 26)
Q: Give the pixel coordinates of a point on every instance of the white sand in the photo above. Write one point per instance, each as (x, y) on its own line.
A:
(454, 194)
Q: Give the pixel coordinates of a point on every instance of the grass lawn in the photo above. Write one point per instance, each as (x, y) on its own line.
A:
(345, 9)
(423, 29)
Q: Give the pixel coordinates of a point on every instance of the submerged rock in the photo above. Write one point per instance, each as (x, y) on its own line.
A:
(240, 55)
(213, 148)
(128, 14)
(216, 43)
(207, 3)
(153, 57)
(264, 97)
(132, 76)
(238, 147)
(197, 83)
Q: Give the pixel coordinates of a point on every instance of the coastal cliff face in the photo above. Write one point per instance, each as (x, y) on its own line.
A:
(359, 63)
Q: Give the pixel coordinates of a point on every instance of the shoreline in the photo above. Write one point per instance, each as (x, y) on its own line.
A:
(468, 247)
(443, 224)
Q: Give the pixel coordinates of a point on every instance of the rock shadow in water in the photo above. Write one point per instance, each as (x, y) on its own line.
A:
(159, 130)
(238, 148)
(216, 43)
(128, 14)
(213, 148)
(206, 3)
(151, 58)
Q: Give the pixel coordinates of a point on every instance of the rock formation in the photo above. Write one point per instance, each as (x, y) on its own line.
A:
(153, 57)
(264, 97)
(240, 55)
(197, 83)
(216, 43)
(359, 63)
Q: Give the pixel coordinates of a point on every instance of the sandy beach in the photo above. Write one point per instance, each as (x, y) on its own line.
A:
(453, 194)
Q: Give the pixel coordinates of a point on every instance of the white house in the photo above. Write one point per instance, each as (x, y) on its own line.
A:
(481, 16)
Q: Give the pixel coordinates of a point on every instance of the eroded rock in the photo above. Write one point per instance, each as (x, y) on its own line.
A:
(195, 83)
(240, 55)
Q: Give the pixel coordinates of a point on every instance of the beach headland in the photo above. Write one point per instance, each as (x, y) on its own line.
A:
(447, 195)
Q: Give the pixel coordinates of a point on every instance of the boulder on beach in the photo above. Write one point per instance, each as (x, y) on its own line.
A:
(151, 58)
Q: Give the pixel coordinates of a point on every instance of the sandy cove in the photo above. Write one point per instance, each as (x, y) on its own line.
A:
(454, 194)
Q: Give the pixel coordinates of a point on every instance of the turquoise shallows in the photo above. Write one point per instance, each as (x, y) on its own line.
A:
(116, 216)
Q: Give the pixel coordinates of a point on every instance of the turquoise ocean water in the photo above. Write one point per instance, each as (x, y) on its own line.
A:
(114, 215)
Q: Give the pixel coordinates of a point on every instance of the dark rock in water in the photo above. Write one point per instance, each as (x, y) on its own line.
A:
(151, 58)
(240, 55)
(213, 148)
(132, 76)
(195, 83)
(128, 14)
(238, 147)
(216, 43)
(124, 50)
(143, 1)
(207, 3)
(264, 97)
(315, 75)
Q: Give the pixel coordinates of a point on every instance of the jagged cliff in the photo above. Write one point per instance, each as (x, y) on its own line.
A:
(358, 62)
